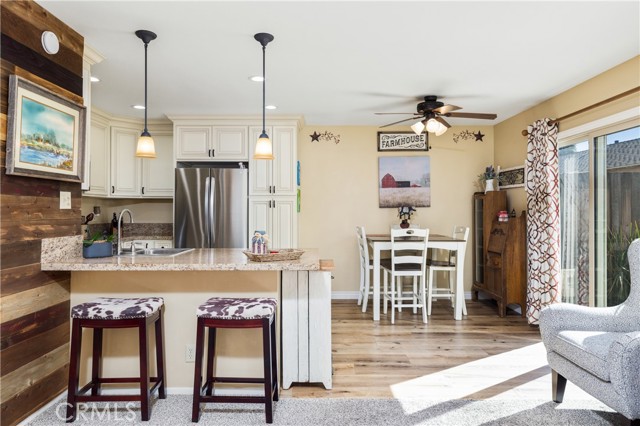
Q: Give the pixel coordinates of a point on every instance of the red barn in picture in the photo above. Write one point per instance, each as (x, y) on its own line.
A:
(388, 181)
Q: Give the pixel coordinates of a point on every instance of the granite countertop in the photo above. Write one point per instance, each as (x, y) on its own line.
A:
(65, 254)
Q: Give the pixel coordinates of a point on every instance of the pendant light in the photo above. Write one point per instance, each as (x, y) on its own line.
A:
(146, 148)
(264, 147)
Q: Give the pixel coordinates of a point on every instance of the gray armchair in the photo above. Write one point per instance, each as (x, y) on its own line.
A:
(598, 349)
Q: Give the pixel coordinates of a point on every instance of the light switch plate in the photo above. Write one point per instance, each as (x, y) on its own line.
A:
(65, 200)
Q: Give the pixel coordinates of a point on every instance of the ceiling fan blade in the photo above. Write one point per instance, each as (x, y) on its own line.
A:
(398, 122)
(443, 121)
(446, 109)
(471, 115)
(403, 113)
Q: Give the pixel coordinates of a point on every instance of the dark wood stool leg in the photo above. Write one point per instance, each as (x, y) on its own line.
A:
(197, 375)
(96, 361)
(558, 383)
(144, 369)
(162, 393)
(211, 354)
(274, 361)
(74, 369)
(268, 384)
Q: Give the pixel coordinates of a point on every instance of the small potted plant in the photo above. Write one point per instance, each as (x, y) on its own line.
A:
(405, 213)
(97, 245)
(487, 177)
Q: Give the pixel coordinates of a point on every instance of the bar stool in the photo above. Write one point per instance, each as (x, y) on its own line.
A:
(109, 312)
(219, 312)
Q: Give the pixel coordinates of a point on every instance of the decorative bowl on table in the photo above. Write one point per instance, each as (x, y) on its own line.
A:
(274, 255)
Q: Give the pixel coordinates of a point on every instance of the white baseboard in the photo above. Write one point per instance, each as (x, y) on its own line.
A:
(353, 295)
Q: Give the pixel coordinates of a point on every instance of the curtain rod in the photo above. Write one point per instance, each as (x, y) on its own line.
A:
(590, 107)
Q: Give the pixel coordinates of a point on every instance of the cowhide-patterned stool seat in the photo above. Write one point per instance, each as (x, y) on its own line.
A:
(219, 312)
(112, 312)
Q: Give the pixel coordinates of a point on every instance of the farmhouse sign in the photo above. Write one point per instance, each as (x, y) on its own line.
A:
(402, 141)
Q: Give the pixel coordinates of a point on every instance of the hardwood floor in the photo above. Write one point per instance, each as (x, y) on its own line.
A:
(479, 357)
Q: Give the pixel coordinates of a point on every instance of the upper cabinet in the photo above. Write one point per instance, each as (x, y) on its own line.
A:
(210, 143)
(277, 176)
(116, 172)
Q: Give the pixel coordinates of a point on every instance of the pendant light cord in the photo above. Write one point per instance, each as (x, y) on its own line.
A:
(145, 88)
(264, 84)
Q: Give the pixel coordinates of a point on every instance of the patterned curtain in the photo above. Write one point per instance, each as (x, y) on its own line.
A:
(543, 218)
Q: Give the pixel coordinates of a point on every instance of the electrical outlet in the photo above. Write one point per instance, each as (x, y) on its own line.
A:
(190, 352)
(65, 200)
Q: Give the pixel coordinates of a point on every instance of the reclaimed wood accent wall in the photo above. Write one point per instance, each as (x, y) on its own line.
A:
(34, 305)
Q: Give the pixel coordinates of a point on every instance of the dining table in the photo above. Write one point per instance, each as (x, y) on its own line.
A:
(382, 242)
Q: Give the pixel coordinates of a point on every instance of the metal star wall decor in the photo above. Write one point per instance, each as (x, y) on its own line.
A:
(468, 135)
(324, 136)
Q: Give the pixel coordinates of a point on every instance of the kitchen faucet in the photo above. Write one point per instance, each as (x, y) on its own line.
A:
(133, 246)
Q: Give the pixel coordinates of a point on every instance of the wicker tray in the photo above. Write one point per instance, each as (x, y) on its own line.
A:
(282, 254)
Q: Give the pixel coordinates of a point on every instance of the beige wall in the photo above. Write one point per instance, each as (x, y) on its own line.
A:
(339, 191)
(511, 146)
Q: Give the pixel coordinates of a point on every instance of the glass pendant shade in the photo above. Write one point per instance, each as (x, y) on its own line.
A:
(441, 130)
(264, 148)
(433, 125)
(146, 148)
(417, 127)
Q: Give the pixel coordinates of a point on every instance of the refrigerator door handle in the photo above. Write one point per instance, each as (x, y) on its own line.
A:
(212, 197)
(207, 211)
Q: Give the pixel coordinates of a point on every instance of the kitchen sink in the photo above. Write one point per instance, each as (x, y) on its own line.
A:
(157, 252)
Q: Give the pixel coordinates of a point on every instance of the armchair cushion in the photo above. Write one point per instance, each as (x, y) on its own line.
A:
(586, 349)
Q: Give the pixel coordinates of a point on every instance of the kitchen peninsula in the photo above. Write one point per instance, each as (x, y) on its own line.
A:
(302, 288)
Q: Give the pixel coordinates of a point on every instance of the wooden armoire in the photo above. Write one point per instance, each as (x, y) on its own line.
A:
(499, 253)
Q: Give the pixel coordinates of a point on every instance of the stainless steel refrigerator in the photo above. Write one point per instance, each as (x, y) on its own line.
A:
(211, 205)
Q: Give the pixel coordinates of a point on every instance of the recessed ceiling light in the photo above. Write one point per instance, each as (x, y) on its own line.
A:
(94, 79)
(137, 106)
(270, 107)
(256, 78)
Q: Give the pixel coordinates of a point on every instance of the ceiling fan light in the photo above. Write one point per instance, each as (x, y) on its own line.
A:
(264, 148)
(442, 130)
(146, 148)
(433, 125)
(417, 127)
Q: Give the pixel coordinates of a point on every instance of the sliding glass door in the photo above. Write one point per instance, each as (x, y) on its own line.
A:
(599, 213)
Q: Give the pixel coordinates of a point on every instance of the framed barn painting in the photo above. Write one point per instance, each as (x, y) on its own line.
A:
(45, 133)
(404, 181)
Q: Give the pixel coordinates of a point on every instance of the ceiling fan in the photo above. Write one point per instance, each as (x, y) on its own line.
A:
(432, 112)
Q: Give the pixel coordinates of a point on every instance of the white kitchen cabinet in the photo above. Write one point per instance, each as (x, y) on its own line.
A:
(278, 217)
(163, 244)
(158, 178)
(277, 176)
(126, 178)
(203, 142)
(133, 177)
(98, 154)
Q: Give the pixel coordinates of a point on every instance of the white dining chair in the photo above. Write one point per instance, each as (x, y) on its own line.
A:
(449, 265)
(366, 266)
(408, 259)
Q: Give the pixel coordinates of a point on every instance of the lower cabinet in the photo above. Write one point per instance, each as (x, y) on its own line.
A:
(278, 217)
(306, 327)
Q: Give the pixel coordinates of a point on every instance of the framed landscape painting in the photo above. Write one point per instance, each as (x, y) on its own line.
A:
(45, 133)
(404, 181)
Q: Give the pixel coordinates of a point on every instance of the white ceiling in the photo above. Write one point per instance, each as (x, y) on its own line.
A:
(336, 63)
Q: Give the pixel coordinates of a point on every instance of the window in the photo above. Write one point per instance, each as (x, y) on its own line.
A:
(599, 171)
